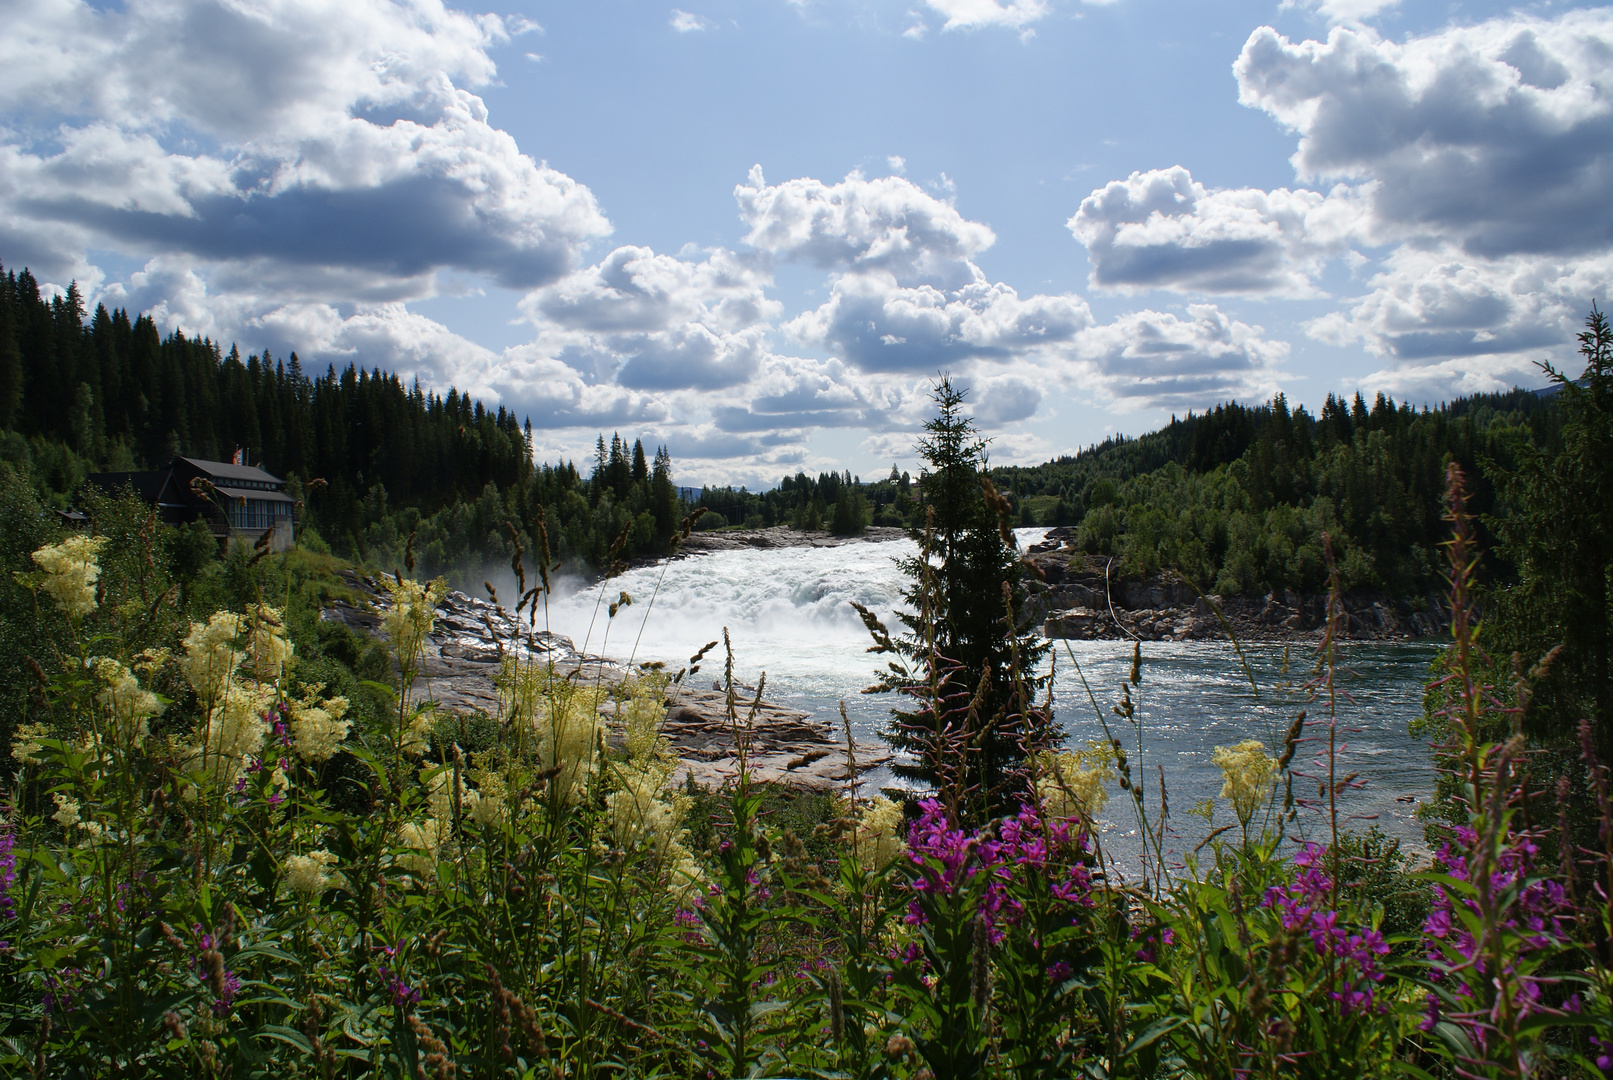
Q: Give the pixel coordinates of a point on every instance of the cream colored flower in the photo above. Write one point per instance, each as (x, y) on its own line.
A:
(643, 812)
(211, 656)
(70, 572)
(25, 745)
(128, 704)
(566, 724)
(1073, 783)
(268, 652)
(66, 814)
(1250, 775)
(424, 840)
(642, 712)
(234, 732)
(412, 614)
(317, 725)
(310, 875)
(417, 732)
(491, 794)
(878, 837)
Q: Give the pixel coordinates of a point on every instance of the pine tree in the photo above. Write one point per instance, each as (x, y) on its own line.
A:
(1557, 531)
(975, 721)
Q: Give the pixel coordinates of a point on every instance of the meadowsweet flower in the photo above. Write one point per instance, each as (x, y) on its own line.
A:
(412, 614)
(25, 743)
(641, 714)
(877, 839)
(416, 735)
(1073, 783)
(424, 841)
(129, 705)
(211, 656)
(317, 725)
(66, 814)
(70, 571)
(1249, 775)
(310, 875)
(566, 723)
(643, 813)
(267, 651)
(491, 791)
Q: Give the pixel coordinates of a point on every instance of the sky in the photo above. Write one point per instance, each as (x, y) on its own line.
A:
(756, 231)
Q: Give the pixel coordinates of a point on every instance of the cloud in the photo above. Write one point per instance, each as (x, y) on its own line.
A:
(654, 322)
(1163, 230)
(1495, 317)
(683, 22)
(973, 14)
(887, 224)
(880, 325)
(295, 130)
(1496, 137)
(1159, 360)
(897, 164)
(1342, 11)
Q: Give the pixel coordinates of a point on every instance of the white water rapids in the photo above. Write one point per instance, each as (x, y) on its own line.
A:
(788, 612)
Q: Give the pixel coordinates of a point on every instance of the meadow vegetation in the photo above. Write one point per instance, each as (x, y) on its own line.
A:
(217, 862)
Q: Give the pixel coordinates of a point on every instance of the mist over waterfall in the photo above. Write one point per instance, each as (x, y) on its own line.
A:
(788, 612)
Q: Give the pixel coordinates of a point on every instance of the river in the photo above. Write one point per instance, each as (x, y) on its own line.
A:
(788, 612)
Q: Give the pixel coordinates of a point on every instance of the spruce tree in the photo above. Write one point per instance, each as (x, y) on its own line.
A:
(972, 661)
(1556, 530)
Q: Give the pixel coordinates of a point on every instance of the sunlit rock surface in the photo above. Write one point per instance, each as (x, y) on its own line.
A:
(471, 636)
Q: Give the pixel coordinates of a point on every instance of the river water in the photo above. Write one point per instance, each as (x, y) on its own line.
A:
(788, 612)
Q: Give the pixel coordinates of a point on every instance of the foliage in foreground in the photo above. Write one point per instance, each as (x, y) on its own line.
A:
(210, 868)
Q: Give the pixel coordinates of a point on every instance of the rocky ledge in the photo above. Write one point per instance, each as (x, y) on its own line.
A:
(471, 636)
(1073, 598)
(782, 536)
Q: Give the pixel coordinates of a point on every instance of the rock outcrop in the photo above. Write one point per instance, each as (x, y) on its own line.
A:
(1073, 598)
(471, 636)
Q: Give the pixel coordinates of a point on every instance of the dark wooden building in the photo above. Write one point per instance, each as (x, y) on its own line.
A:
(237, 501)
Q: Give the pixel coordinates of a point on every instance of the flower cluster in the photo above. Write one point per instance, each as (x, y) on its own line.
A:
(70, 571)
(1535, 915)
(1249, 773)
(129, 705)
(877, 837)
(310, 875)
(412, 614)
(1305, 907)
(1074, 783)
(318, 727)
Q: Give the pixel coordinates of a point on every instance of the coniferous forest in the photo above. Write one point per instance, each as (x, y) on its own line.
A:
(106, 392)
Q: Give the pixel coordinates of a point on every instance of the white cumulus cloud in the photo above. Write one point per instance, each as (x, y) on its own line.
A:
(972, 14)
(1163, 229)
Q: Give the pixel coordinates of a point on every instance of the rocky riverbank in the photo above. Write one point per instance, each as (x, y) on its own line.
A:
(471, 636)
(1073, 597)
(782, 536)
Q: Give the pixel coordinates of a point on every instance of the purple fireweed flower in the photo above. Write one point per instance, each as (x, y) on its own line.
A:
(1305, 906)
(8, 872)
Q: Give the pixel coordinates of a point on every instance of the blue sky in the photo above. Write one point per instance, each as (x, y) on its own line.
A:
(755, 231)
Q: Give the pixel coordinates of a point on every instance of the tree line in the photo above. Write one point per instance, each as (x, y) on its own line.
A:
(108, 392)
(1236, 498)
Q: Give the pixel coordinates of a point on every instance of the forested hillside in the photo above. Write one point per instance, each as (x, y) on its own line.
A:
(370, 458)
(1236, 498)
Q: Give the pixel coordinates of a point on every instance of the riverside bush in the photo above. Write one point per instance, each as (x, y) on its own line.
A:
(181, 893)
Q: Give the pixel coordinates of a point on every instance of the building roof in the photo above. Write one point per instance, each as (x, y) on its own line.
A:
(223, 470)
(252, 493)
